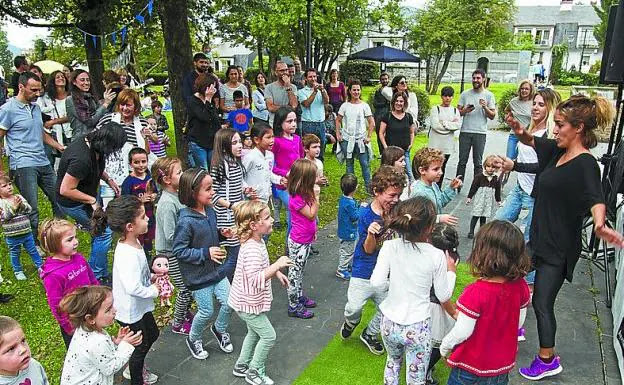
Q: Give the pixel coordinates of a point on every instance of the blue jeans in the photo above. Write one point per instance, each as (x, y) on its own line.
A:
(516, 201)
(201, 156)
(100, 244)
(408, 166)
(512, 146)
(318, 129)
(282, 196)
(15, 248)
(363, 157)
(205, 308)
(230, 263)
(462, 377)
(27, 180)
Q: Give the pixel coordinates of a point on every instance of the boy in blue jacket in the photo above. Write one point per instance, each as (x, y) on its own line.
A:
(348, 214)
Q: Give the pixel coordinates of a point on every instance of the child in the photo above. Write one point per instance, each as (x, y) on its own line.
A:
(445, 238)
(486, 187)
(303, 207)
(395, 156)
(16, 365)
(14, 211)
(241, 119)
(251, 295)
(196, 246)
(161, 121)
(427, 169)
(64, 270)
(133, 291)
(158, 147)
(287, 148)
(330, 125)
(140, 184)
(348, 214)
(259, 162)
(247, 144)
(408, 266)
(227, 173)
(167, 173)
(387, 185)
(312, 150)
(484, 339)
(94, 357)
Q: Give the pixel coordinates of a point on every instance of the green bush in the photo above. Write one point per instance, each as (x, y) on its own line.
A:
(221, 76)
(577, 78)
(361, 70)
(504, 102)
(424, 105)
(251, 74)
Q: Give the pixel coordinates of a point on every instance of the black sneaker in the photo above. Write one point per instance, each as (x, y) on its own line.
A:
(346, 330)
(4, 298)
(223, 339)
(374, 345)
(196, 348)
(470, 235)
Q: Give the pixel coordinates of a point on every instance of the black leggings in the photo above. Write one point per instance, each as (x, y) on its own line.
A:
(435, 357)
(473, 223)
(446, 158)
(149, 329)
(548, 282)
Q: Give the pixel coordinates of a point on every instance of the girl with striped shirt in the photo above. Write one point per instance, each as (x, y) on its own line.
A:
(227, 173)
(250, 293)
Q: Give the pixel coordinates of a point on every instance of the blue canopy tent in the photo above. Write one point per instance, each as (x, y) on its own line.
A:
(384, 54)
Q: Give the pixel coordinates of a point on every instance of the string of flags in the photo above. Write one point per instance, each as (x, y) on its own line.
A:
(123, 31)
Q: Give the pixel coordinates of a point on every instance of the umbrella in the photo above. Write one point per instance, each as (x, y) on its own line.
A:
(385, 55)
(49, 66)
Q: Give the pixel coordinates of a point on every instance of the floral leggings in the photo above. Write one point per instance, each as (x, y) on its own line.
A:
(415, 341)
(299, 253)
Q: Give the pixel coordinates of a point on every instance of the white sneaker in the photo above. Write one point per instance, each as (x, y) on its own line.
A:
(126, 372)
(20, 276)
(148, 377)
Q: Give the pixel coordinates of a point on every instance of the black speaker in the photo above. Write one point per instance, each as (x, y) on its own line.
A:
(607, 45)
(614, 68)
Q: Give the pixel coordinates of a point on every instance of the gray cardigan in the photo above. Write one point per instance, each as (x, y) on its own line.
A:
(167, 211)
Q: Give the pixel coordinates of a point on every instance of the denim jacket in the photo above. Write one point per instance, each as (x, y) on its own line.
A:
(348, 213)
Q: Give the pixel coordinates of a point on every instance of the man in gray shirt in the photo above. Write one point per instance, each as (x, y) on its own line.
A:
(476, 106)
(281, 92)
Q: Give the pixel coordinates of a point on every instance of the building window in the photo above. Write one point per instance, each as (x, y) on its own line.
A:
(585, 60)
(378, 43)
(586, 38)
(542, 37)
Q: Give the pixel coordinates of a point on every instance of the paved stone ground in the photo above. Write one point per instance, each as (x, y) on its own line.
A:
(584, 340)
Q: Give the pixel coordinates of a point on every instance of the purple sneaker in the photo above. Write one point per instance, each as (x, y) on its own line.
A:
(521, 336)
(539, 369)
(189, 317)
(307, 302)
(184, 328)
(300, 312)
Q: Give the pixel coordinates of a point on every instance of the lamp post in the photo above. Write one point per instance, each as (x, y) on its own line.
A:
(582, 50)
(309, 34)
(461, 88)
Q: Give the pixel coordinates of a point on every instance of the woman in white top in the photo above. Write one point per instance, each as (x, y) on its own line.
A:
(399, 84)
(226, 91)
(444, 120)
(260, 111)
(52, 103)
(410, 266)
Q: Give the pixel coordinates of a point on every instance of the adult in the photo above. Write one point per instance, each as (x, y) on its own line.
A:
(83, 109)
(444, 120)
(227, 89)
(476, 105)
(336, 90)
(355, 136)
(399, 84)
(21, 124)
(260, 111)
(124, 78)
(80, 171)
(52, 104)
(521, 107)
(67, 72)
(398, 128)
(128, 114)
(201, 66)
(313, 98)
(522, 196)
(381, 106)
(568, 188)
(37, 71)
(246, 83)
(203, 121)
(280, 93)
(299, 77)
(21, 65)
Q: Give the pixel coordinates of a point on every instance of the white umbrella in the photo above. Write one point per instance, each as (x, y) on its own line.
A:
(49, 66)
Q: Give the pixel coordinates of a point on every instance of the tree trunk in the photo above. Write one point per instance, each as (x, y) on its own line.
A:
(174, 20)
(445, 64)
(260, 56)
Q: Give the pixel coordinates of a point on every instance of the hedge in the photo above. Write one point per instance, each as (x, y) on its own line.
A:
(424, 105)
(362, 70)
(504, 102)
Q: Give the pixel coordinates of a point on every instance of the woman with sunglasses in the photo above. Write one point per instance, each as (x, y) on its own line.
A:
(399, 84)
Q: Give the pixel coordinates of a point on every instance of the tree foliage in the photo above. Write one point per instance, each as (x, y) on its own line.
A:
(445, 26)
(6, 58)
(602, 10)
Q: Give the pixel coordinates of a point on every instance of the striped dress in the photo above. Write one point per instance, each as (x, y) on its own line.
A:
(228, 185)
(251, 290)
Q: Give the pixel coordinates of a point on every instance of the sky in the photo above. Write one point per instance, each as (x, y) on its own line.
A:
(23, 37)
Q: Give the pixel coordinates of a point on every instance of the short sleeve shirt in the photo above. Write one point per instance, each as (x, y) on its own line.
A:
(240, 119)
(398, 130)
(303, 229)
(316, 111)
(23, 127)
(476, 121)
(80, 162)
(278, 95)
(354, 119)
(227, 94)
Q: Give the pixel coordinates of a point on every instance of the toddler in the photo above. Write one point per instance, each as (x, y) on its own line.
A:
(485, 189)
(348, 214)
(395, 156)
(161, 120)
(17, 366)
(159, 146)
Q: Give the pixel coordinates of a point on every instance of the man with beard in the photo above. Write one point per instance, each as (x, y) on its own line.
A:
(21, 124)
(381, 105)
(202, 65)
(476, 105)
(281, 92)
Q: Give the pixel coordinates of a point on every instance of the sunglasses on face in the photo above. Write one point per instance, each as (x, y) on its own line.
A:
(402, 82)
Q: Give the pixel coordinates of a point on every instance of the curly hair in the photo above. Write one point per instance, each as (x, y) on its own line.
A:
(386, 176)
(424, 158)
(244, 214)
(499, 251)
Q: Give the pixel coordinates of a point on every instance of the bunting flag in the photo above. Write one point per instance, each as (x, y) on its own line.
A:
(140, 18)
(124, 30)
(94, 38)
(114, 37)
(150, 6)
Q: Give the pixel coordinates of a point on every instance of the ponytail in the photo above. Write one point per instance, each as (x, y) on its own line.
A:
(413, 219)
(592, 113)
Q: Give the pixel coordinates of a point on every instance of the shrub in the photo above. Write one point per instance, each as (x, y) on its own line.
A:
(251, 74)
(577, 78)
(504, 102)
(424, 105)
(362, 70)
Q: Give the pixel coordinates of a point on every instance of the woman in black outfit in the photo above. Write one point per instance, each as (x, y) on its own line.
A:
(203, 120)
(568, 187)
(397, 128)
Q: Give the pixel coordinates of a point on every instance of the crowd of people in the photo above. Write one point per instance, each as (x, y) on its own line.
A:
(204, 230)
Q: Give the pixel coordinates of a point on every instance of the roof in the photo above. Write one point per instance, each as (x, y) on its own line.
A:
(551, 15)
(226, 49)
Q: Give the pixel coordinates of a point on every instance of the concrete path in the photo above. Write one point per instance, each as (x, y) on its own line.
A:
(582, 340)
